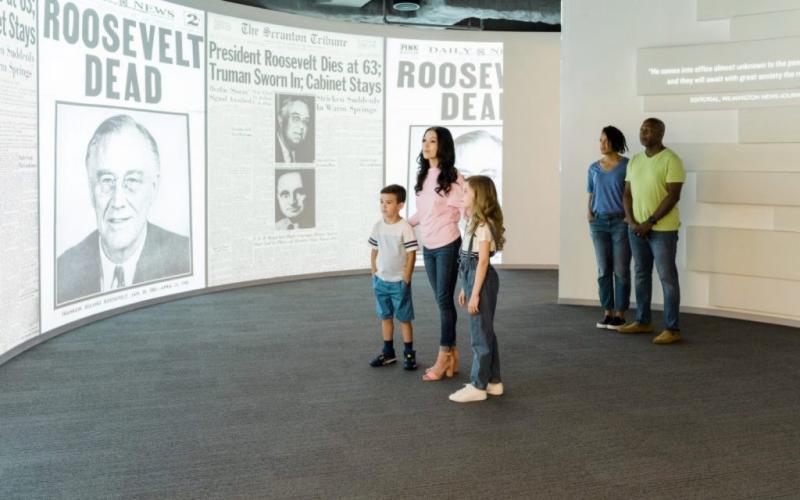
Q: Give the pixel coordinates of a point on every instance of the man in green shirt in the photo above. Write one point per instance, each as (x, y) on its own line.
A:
(652, 189)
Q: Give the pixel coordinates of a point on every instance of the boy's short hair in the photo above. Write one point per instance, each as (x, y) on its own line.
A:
(397, 190)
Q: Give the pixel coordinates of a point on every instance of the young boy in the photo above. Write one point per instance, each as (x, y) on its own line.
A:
(394, 252)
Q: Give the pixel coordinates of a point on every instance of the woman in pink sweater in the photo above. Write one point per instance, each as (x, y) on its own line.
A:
(439, 189)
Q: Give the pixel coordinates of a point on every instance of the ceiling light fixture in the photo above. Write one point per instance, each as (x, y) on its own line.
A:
(405, 5)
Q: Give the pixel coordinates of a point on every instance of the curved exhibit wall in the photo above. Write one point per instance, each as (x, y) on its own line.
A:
(724, 78)
(152, 150)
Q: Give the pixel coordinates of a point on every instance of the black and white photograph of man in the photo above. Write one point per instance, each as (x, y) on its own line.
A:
(123, 169)
(479, 151)
(294, 128)
(294, 199)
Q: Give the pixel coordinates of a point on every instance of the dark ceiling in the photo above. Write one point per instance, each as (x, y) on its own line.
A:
(487, 15)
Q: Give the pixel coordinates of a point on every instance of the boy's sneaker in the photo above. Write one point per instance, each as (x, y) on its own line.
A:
(604, 323)
(410, 360)
(382, 359)
(615, 324)
(494, 389)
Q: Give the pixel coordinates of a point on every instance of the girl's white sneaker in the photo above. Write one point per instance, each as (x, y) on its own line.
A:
(494, 389)
(468, 394)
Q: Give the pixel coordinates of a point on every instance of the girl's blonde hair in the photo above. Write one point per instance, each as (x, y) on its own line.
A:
(486, 209)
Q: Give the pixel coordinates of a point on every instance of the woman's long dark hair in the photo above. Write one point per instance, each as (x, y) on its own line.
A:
(446, 153)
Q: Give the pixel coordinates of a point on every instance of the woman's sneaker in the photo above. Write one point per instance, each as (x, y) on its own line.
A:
(615, 324)
(410, 360)
(603, 325)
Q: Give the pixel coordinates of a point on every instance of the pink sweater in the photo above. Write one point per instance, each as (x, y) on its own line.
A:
(438, 214)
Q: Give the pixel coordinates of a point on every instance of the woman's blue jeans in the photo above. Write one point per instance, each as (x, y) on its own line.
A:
(613, 253)
(441, 265)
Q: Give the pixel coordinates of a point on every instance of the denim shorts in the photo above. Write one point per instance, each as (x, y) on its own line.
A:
(393, 299)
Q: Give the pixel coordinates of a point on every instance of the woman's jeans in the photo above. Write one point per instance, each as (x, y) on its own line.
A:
(613, 253)
(486, 357)
(660, 247)
(441, 264)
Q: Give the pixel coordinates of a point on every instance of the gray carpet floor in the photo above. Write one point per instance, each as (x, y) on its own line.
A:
(265, 392)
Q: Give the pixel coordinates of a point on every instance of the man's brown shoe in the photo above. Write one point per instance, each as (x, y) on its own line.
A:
(667, 337)
(635, 328)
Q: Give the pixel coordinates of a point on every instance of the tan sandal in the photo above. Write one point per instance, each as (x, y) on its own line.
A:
(432, 374)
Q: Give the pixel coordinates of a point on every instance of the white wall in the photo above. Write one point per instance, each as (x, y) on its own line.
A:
(735, 213)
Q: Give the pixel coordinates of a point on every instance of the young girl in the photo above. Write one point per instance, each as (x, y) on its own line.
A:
(483, 236)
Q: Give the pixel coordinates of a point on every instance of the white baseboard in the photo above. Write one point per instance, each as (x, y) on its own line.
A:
(706, 311)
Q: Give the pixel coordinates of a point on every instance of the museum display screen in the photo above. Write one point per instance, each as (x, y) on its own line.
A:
(295, 149)
(152, 149)
(458, 85)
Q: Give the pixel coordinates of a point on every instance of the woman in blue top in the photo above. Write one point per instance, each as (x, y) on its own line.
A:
(607, 225)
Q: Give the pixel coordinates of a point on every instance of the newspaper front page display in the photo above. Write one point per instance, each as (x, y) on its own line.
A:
(295, 149)
(19, 259)
(122, 156)
(457, 85)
